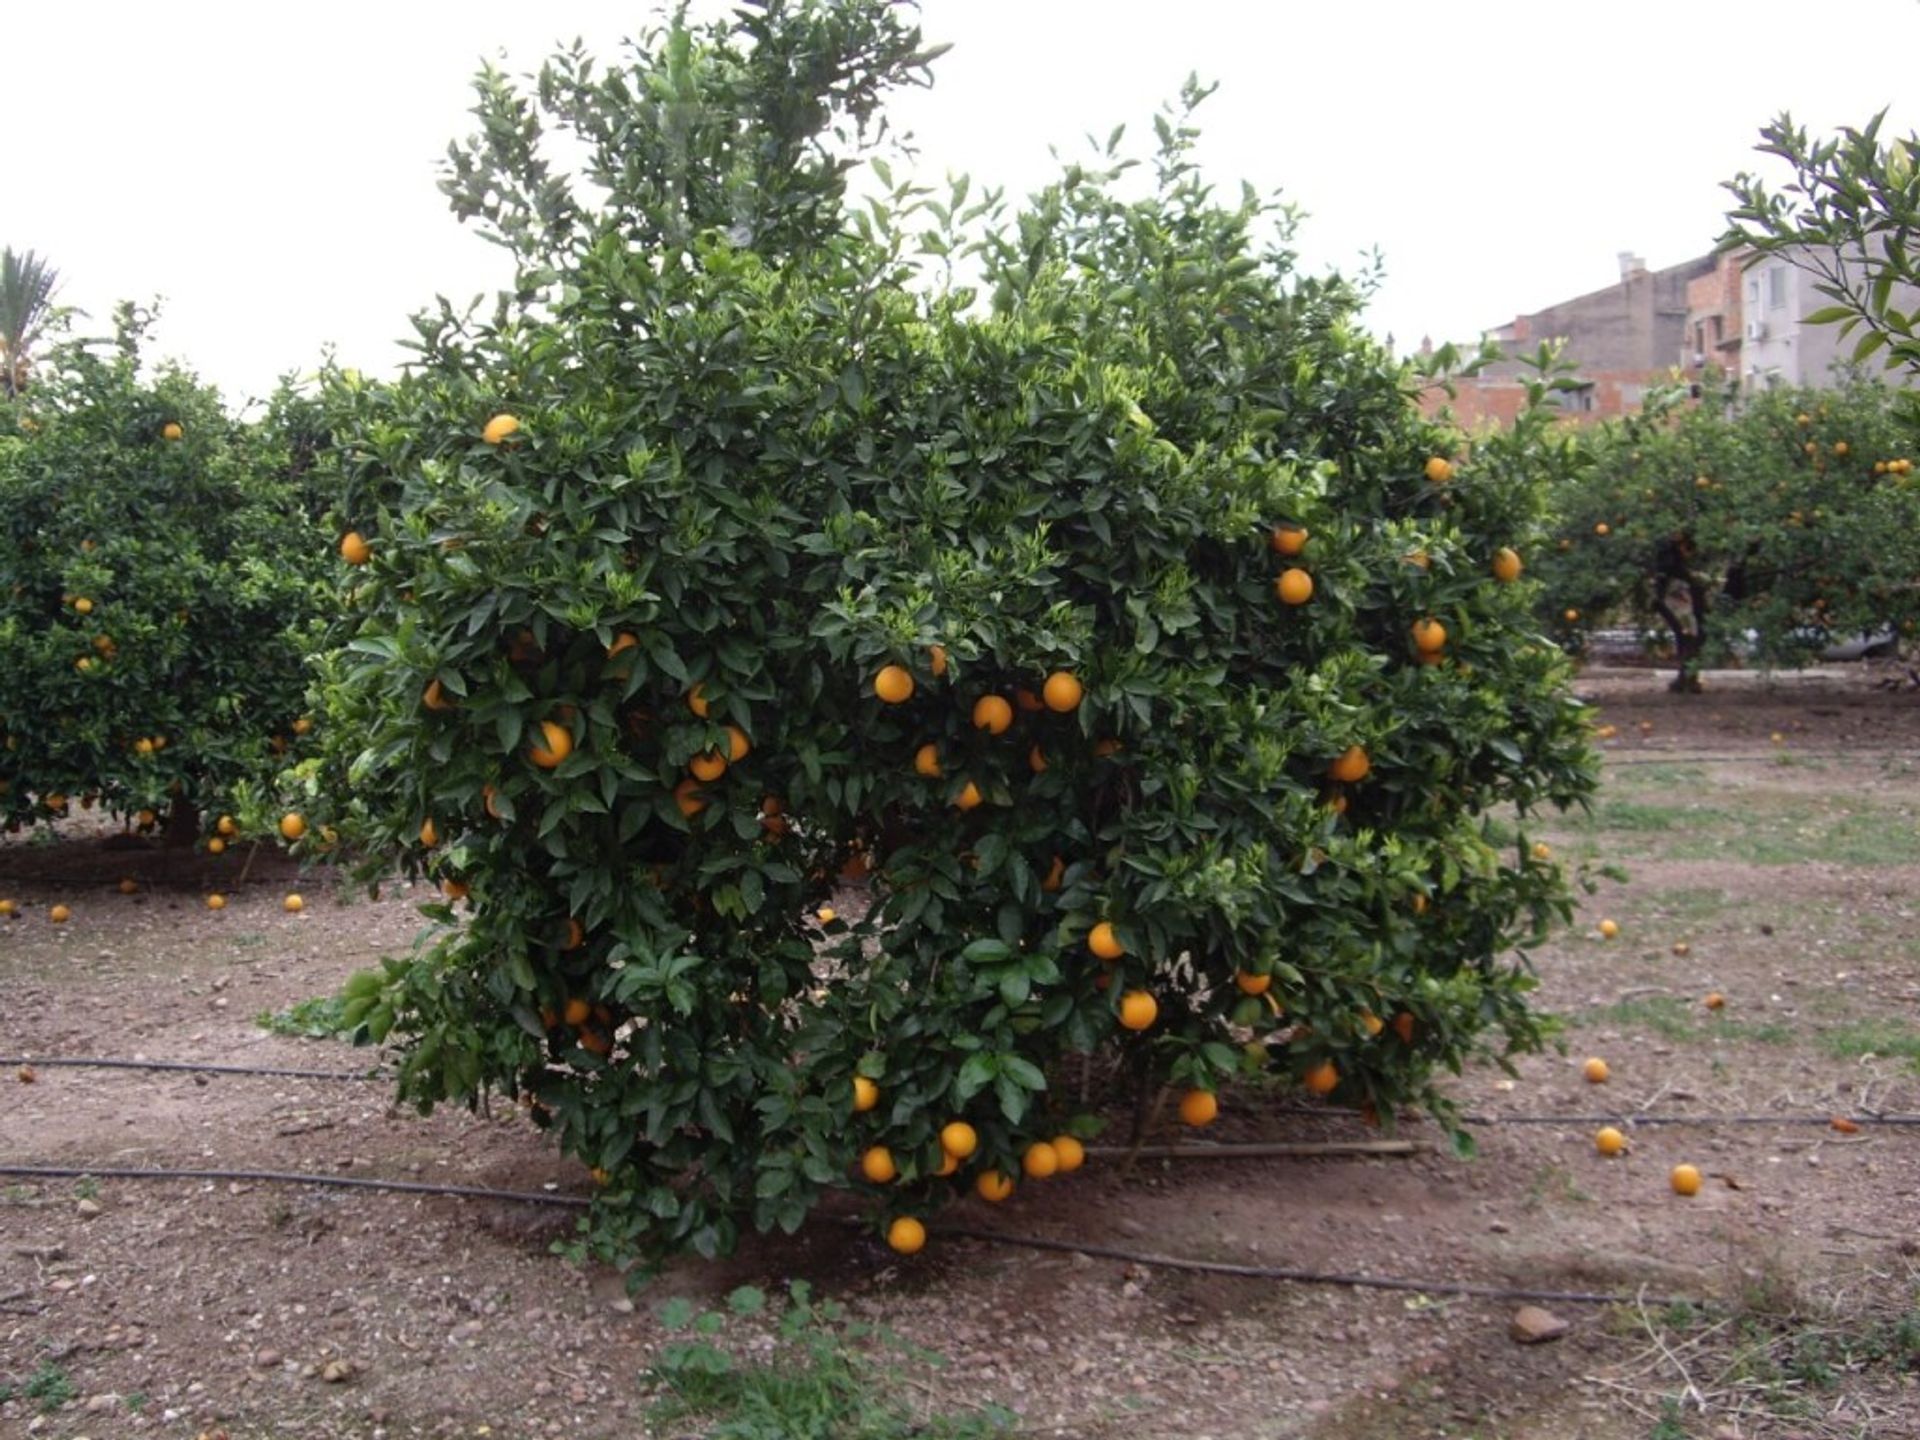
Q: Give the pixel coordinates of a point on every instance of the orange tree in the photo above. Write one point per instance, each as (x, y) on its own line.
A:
(828, 701)
(1771, 525)
(157, 588)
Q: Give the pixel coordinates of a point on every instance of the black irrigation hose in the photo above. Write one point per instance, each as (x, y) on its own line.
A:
(288, 1177)
(195, 1067)
(1630, 1120)
(368, 1076)
(1311, 1277)
(963, 1232)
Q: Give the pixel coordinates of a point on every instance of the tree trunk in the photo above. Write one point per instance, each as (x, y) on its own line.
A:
(183, 825)
(1688, 641)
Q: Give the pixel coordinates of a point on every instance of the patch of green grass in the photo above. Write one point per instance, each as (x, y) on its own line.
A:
(825, 1380)
(321, 1018)
(1635, 815)
(1877, 1036)
(1681, 1021)
(50, 1387)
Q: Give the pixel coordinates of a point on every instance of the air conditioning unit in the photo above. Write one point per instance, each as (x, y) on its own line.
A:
(1756, 330)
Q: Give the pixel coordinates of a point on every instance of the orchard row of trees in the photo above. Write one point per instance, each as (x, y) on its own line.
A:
(1112, 621)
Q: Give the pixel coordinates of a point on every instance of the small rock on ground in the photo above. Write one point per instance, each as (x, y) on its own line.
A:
(1533, 1326)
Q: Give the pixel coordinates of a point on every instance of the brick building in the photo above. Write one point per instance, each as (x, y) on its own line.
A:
(1622, 339)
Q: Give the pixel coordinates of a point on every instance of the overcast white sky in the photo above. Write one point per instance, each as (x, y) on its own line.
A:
(269, 169)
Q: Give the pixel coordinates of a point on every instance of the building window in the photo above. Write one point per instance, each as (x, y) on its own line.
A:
(1777, 287)
(1578, 400)
(1753, 292)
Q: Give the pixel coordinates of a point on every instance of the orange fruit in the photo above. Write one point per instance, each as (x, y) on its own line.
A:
(576, 934)
(144, 819)
(429, 835)
(435, 698)
(968, 797)
(1028, 702)
(1609, 1141)
(926, 761)
(949, 1163)
(1506, 565)
(738, 745)
(1322, 1078)
(1542, 850)
(1609, 929)
(216, 846)
(877, 1165)
(1352, 766)
(1251, 984)
(354, 548)
(686, 795)
(710, 765)
(1439, 469)
(455, 890)
(866, 1094)
(1069, 1152)
(1062, 692)
(216, 902)
(59, 914)
(1198, 1107)
(83, 605)
(1294, 587)
(487, 796)
(626, 640)
(1429, 636)
(1371, 1023)
(171, 430)
(1845, 1126)
(1289, 539)
(576, 1012)
(1840, 448)
(992, 714)
(1040, 1162)
(1603, 529)
(1138, 1010)
(907, 1235)
(292, 827)
(697, 701)
(1571, 616)
(1714, 1000)
(1037, 760)
(992, 1186)
(959, 1139)
(554, 745)
(1107, 748)
(303, 726)
(1597, 1071)
(824, 914)
(1104, 943)
(499, 428)
(1685, 1180)
(894, 684)
(1056, 876)
(937, 661)
(128, 886)
(9, 909)
(293, 904)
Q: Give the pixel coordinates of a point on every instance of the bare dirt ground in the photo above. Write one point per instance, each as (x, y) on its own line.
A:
(1789, 868)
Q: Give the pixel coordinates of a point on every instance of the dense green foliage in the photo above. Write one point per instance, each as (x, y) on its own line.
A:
(760, 434)
(1769, 526)
(159, 586)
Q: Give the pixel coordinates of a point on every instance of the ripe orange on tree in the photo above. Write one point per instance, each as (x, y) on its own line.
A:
(1199, 1107)
(992, 714)
(1294, 587)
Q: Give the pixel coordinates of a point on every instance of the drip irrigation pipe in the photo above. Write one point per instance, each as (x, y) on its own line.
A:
(964, 1232)
(192, 1067)
(288, 1177)
(369, 1076)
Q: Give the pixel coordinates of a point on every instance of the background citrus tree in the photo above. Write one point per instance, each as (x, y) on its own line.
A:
(1114, 649)
(1770, 525)
(158, 593)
